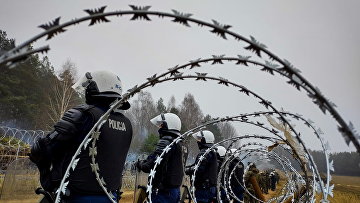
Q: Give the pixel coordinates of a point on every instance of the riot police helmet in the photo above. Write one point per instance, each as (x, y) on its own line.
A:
(221, 151)
(204, 137)
(167, 121)
(103, 84)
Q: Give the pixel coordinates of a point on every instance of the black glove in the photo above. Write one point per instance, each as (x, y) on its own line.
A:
(39, 155)
(138, 165)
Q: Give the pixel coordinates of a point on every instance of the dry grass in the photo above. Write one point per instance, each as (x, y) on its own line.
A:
(19, 187)
(20, 201)
(347, 190)
(344, 197)
(127, 197)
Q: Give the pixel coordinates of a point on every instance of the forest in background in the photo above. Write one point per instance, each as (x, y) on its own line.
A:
(34, 96)
(345, 163)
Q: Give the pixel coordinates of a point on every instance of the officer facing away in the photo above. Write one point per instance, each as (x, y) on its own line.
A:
(169, 174)
(221, 152)
(237, 183)
(206, 174)
(52, 154)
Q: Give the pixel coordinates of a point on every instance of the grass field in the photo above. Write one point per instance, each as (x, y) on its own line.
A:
(347, 190)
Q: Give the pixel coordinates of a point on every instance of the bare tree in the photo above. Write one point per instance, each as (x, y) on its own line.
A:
(191, 116)
(160, 107)
(62, 96)
(171, 104)
(227, 130)
(190, 113)
(142, 110)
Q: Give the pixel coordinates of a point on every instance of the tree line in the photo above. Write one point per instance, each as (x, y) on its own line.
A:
(345, 163)
(145, 108)
(34, 96)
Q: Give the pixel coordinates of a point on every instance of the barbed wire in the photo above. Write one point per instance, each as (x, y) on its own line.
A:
(282, 67)
(266, 155)
(95, 134)
(243, 116)
(151, 82)
(142, 13)
(317, 131)
(15, 143)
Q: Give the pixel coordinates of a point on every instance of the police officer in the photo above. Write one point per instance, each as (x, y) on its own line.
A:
(52, 154)
(237, 183)
(252, 185)
(169, 174)
(273, 181)
(206, 174)
(263, 180)
(220, 154)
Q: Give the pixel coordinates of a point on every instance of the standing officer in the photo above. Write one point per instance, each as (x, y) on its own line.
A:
(206, 175)
(221, 152)
(252, 185)
(237, 183)
(52, 154)
(169, 174)
(273, 180)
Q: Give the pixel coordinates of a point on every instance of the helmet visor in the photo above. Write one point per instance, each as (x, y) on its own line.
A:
(197, 136)
(80, 86)
(157, 121)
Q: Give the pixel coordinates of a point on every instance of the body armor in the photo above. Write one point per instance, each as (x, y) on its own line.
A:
(206, 174)
(170, 172)
(60, 145)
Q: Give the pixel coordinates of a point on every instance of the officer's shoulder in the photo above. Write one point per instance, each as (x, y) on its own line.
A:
(166, 138)
(212, 152)
(83, 107)
(202, 151)
(76, 113)
(162, 143)
(72, 119)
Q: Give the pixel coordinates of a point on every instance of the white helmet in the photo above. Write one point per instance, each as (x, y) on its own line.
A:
(170, 120)
(100, 83)
(221, 150)
(204, 136)
(235, 152)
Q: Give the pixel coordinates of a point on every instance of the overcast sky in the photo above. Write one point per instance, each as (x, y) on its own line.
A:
(321, 38)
